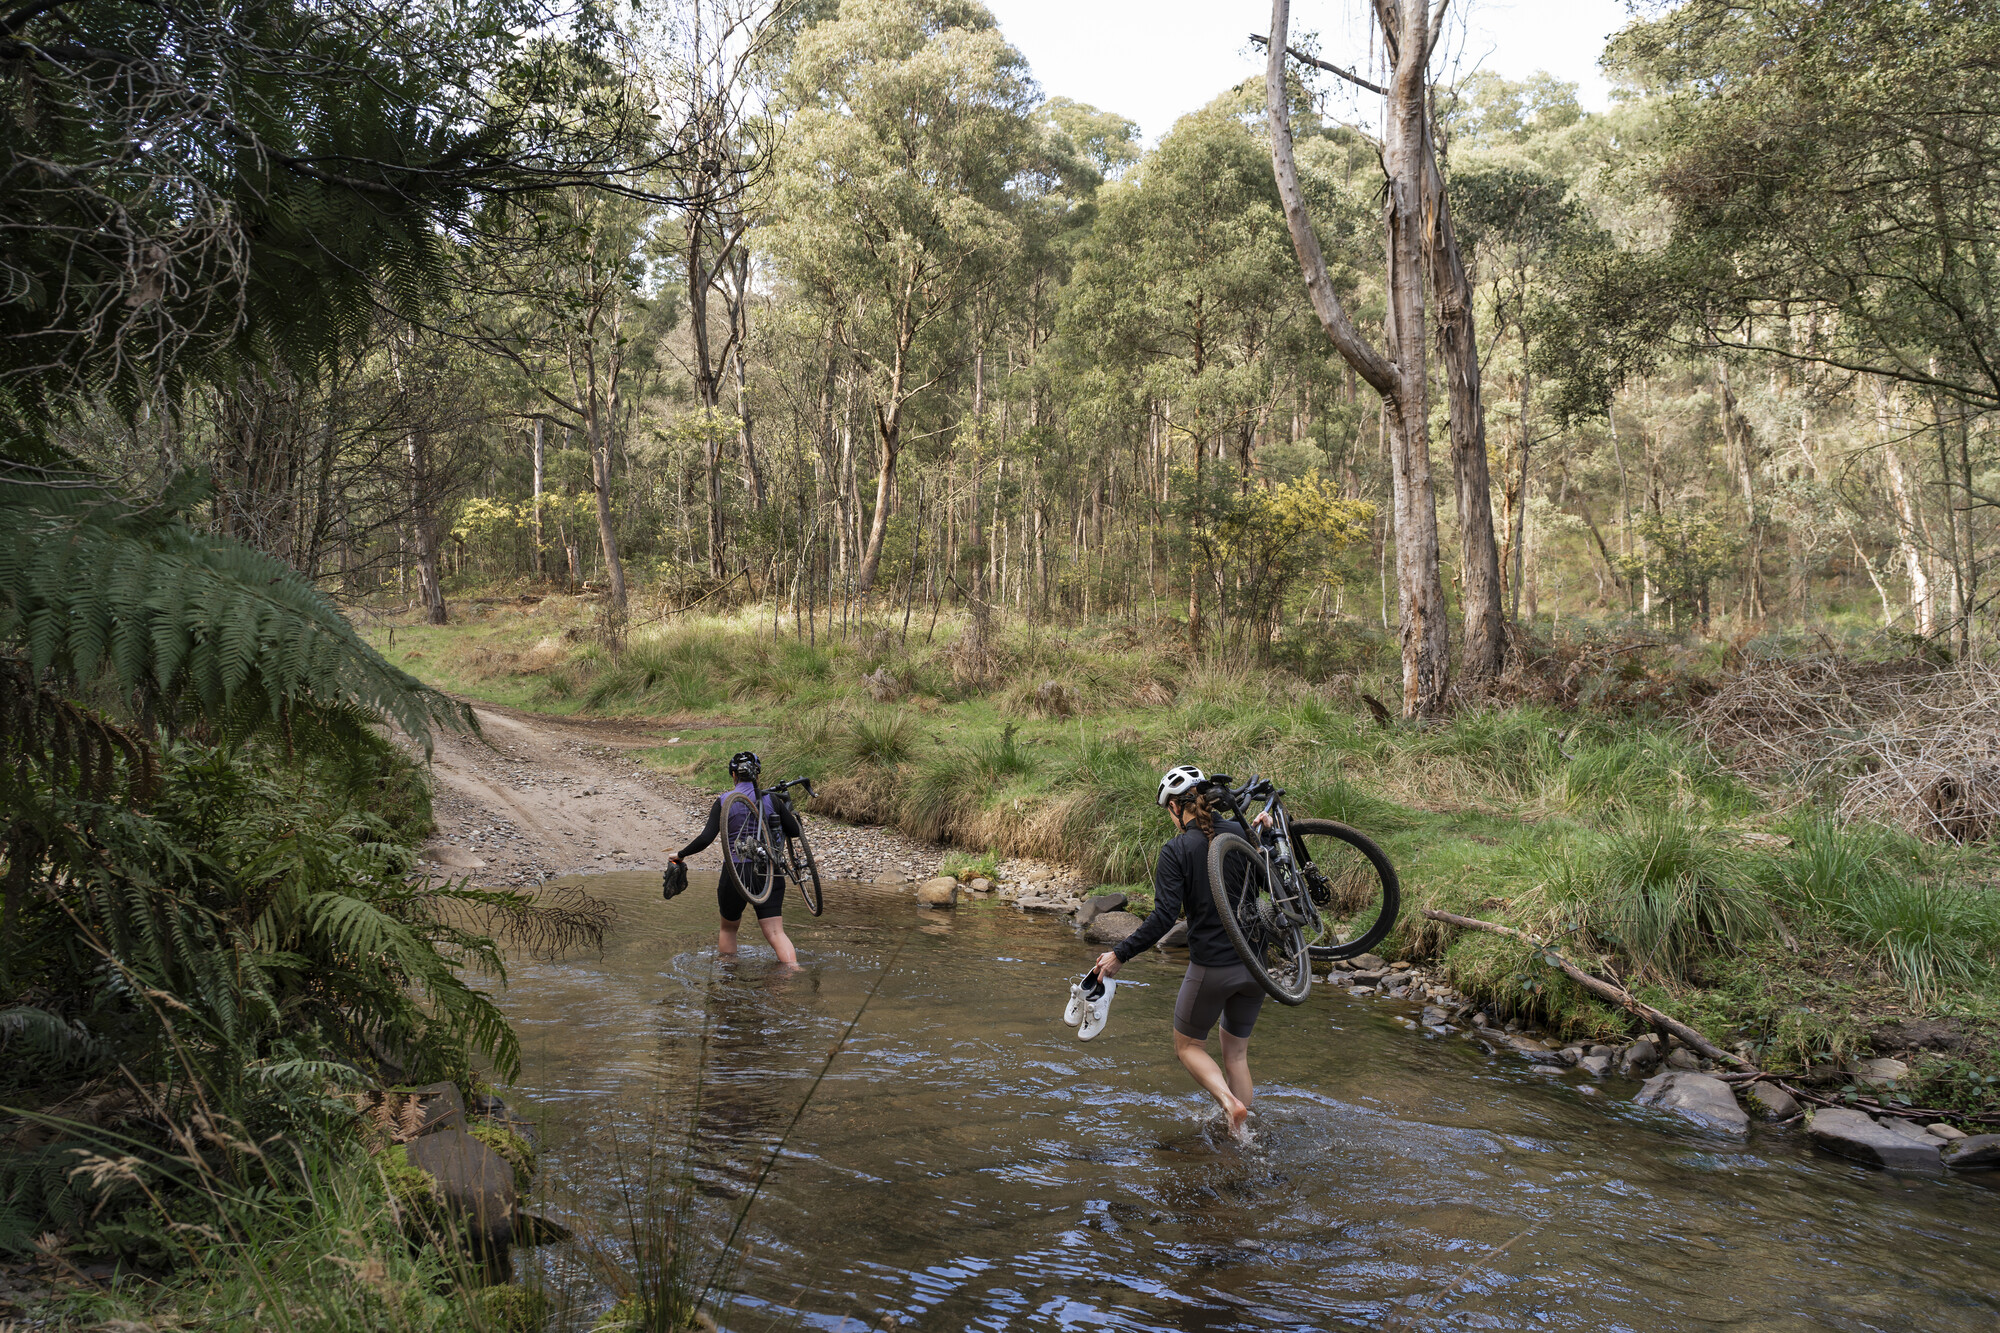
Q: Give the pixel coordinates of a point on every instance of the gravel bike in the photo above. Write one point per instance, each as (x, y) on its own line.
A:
(1302, 889)
(757, 853)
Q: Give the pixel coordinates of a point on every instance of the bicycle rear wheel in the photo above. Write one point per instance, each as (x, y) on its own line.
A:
(804, 870)
(749, 862)
(1267, 938)
(1353, 887)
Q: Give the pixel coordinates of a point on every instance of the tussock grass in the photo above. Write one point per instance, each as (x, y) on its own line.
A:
(1885, 891)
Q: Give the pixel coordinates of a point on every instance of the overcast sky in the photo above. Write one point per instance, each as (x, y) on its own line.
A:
(1156, 60)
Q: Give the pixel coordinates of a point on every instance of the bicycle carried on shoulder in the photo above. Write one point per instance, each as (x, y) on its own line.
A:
(757, 853)
(1298, 890)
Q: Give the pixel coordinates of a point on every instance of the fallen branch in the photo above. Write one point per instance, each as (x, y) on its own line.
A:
(1602, 989)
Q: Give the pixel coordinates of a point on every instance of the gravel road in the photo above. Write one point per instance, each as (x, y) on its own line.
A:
(539, 797)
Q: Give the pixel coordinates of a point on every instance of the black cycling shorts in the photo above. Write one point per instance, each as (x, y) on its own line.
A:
(1207, 993)
(732, 903)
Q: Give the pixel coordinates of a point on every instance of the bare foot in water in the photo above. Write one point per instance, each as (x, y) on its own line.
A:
(1237, 1113)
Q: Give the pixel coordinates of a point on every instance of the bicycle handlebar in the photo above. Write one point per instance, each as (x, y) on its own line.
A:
(783, 787)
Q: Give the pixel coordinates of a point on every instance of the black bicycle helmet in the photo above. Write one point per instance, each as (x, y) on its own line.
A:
(745, 764)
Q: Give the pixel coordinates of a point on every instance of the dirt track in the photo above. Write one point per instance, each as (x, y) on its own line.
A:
(539, 797)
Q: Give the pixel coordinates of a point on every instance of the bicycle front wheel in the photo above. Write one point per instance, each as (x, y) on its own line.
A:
(1353, 887)
(1268, 939)
(749, 862)
(804, 871)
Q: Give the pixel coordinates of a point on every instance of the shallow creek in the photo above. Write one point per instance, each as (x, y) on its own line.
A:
(968, 1164)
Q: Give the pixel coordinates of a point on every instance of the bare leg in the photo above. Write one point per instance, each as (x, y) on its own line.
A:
(1236, 1067)
(725, 940)
(1194, 1057)
(774, 934)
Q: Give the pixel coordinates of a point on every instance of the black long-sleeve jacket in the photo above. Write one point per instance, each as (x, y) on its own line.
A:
(1180, 882)
(787, 821)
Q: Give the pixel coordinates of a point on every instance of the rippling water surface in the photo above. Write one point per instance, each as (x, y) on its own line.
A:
(968, 1164)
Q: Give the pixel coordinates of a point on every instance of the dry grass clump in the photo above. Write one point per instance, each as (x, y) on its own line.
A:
(1931, 764)
(1778, 717)
(1908, 743)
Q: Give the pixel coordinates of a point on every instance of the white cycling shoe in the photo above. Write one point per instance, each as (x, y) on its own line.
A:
(1096, 1009)
(1078, 1001)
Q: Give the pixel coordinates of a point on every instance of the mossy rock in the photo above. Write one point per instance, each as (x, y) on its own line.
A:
(628, 1316)
(411, 1188)
(518, 1152)
(510, 1308)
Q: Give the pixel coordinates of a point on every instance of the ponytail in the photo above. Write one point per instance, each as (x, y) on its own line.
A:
(1200, 813)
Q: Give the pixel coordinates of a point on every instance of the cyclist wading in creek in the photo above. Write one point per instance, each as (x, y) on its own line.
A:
(746, 808)
(1218, 984)
(1260, 907)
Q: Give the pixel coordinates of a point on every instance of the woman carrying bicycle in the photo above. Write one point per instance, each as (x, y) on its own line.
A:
(744, 769)
(1217, 984)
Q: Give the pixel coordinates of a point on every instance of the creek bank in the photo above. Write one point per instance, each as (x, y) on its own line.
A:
(1675, 1078)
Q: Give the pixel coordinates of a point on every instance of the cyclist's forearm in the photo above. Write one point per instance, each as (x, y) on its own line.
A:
(1166, 911)
(708, 832)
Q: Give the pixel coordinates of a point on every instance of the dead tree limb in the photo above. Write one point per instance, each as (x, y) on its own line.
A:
(1602, 989)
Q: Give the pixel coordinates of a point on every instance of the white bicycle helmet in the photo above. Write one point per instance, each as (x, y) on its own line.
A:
(1177, 782)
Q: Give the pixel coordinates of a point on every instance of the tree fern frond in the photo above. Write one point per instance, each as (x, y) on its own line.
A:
(196, 623)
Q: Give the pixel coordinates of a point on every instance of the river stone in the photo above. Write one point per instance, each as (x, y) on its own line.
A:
(440, 1106)
(475, 1184)
(1597, 1066)
(939, 892)
(1433, 1014)
(1176, 936)
(1111, 927)
(1369, 962)
(1640, 1056)
(1538, 1051)
(1944, 1131)
(1683, 1059)
(1704, 1100)
(1878, 1071)
(1040, 904)
(1771, 1101)
(981, 885)
(1979, 1152)
(1910, 1130)
(1852, 1134)
(1098, 906)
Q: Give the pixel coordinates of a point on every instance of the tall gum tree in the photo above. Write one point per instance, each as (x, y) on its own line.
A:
(908, 120)
(1396, 371)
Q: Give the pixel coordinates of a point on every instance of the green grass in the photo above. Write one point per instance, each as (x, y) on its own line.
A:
(1616, 836)
(331, 1260)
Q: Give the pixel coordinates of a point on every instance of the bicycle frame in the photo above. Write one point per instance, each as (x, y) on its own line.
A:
(1274, 843)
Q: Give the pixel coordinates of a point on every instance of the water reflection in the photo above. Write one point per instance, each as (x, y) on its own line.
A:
(968, 1164)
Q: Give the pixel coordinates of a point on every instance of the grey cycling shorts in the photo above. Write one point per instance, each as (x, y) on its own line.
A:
(1208, 993)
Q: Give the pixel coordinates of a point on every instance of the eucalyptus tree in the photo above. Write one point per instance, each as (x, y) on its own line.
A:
(719, 62)
(907, 121)
(1829, 175)
(1185, 280)
(1409, 36)
(188, 191)
(1395, 371)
